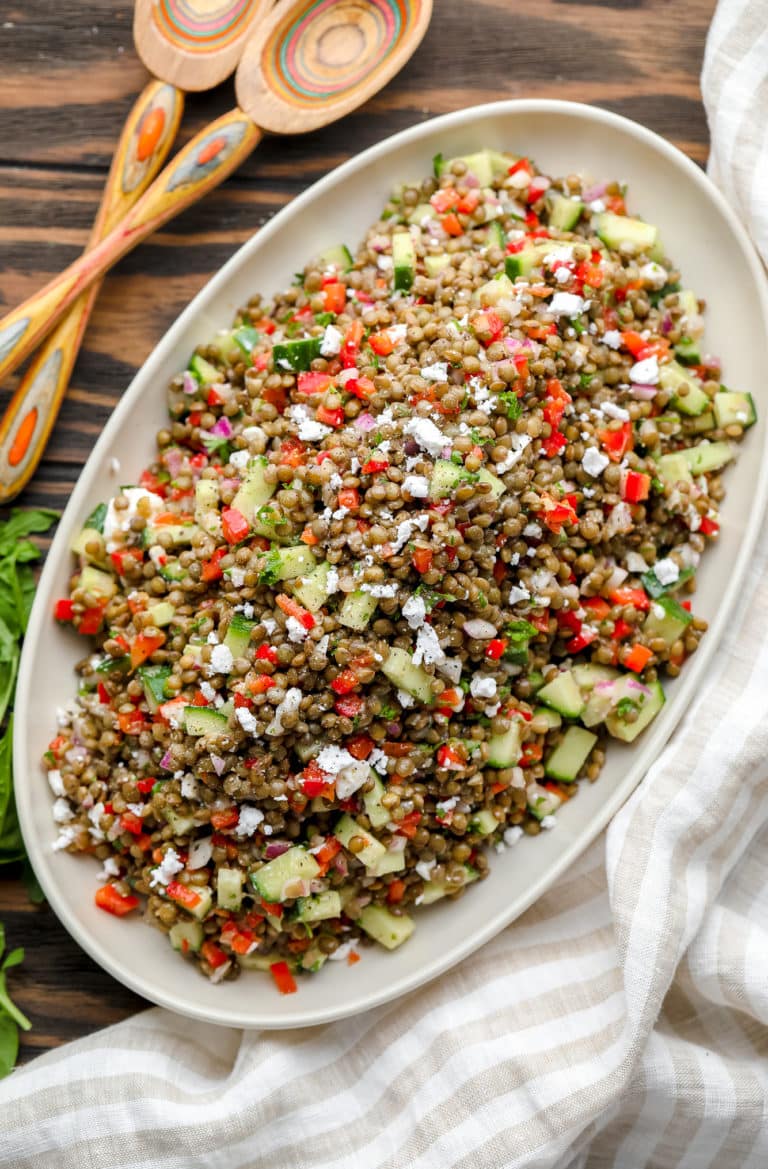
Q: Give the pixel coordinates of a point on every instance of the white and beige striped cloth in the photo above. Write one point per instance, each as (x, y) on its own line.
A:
(623, 1021)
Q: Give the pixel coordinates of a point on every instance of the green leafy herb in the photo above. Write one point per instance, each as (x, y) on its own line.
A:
(577, 326)
(325, 318)
(388, 713)
(431, 597)
(11, 1018)
(624, 706)
(655, 588)
(438, 163)
(518, 634)
(215, 444)
(270, 571)
(512, 404)
(657, 295)
(96, 518)
(657, 485)
(585, 379)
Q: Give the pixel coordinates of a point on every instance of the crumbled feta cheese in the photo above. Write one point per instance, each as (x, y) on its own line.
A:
(519, 442)
(513, 834)
(296, 631)
(236, 576)
(380, 591)
(189, 784)
(532, 531)
(646, 372)
(307, 428)
(482, 687)
(667, 572)
(562, 275)
(332, 581)
(424, 869)
(562, 254)
(614, 411)
(689, 556)
(404, 698)
(56, 783)
(169, 866)
(342, 952)
(548, 822)
(62, 813)
(653, 274)
(414, 610)
(249, 820)
(208, 692)
(336, 482)
(518, 593)
(117, 521)
(110, 868)
(437, 372)
(239, 459)
(351, 778)
(406, 529)
(619, 521)
(289, 705)
(221, 660)
(612, 338)
(451, 668)
(427, 435)
(427, 647)
(596, 206)
(397, 333)
(594, 461)
(254, 434)
(566, 304)
(66, 837)
(332, 759)
(635, 562)
(378, 760)
(416, 486)
(246, 719)
(331, 342)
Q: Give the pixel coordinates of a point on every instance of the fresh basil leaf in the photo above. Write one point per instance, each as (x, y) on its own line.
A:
(9, 665)
(9, 1045)
(10, 1007)
(32, 885)
(24, 523)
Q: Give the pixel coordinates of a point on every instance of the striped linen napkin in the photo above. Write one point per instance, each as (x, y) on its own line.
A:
(621, 1022)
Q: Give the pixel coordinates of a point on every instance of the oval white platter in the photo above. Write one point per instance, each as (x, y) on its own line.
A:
(716, 259)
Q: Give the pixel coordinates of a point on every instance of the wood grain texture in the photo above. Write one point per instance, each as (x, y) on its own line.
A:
(68, 80)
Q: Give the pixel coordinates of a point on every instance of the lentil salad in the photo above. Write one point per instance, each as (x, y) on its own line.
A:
(408, 553)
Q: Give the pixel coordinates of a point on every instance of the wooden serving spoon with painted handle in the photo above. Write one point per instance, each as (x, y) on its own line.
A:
(309, 63)
(190, 45)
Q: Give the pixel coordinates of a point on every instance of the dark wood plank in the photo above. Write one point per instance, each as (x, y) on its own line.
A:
(70, 76)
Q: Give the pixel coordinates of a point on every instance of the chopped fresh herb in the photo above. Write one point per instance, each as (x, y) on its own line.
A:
(624, 706)
(655, 588)
(325, 318)
(657, 486)
(271, 569)
(512, 404)
(215, 444)
(438, 162)
(585, 379)
(388, 713)
(298, 280)
(96, 518)
(518, 634)
(577, 326)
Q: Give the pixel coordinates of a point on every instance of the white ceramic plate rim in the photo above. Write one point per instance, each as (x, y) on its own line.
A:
(643, 755)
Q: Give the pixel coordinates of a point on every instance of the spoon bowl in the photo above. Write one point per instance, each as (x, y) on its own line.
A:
(312, 61)
(192, 44)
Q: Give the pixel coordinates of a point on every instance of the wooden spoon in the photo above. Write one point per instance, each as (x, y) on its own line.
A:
(187, 44)
(311, 62)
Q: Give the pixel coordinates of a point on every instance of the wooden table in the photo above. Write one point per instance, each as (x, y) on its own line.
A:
(69, 77)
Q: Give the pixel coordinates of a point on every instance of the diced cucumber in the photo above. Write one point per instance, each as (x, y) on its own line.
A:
(371, 852)
(100, 584)
(570, 755)
(732, 409)
(255, 961)
(386, 929)
(504, 750)
(435, 264)
(80, 547)
(205, 373)
(173, 569)
(500, 288)
(279, 879)
(202, 720)
(497, 237)
(153, 679)
(689, 303)
(496, 485)
(649, 706)
(319, 907)
(269, 521)
(226, 347)
(563, 695)
(436, 890)
(180, 825)
(254, 491)
(541, 801)
(356, 610)
(596, 684)
(296, 355)
(620, 230)
(175, 535)
(393, 861)
(246, 338)
(313, 959)
(674, 469)
(204, 905)
(688, 351)
(532, 256)
(702, 422)
(666, 619)
(290, 563)
(186, 936)
(655, 588)
(420, 213)
(709, 456)
(229, 889)
(162, 613)
(400, 670)
(207, 506)
(564, 213)
(338, 256)
(484, 823)
(447, 476)
(403, 260)
(312, 592)
(238, 635)
(587, 674)
(485, 165)
(551, 717)
(374, 809)
(673, 378)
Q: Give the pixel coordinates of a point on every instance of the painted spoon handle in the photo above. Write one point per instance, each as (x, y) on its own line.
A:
(144, 144)
(203, 163)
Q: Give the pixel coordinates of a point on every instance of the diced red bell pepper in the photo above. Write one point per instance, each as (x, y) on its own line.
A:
(349, 497)
(408, 826)
(183, 895)
(234, 525)
(580, 641)
(633, 342)
(621, 629)
(114, 902)
(555, 513)
(451, 224)
(311, 382)
(360, 387)
(374, 466)
(261, 684)
(451, 757)
(292, 608)
(130, 822)
(540, 621)
(103, 694)
(615, 203)
(334, 297)
(396, 891)
(422, 559)
(638, 598)
(360, 746)
(468, 203)
(521, 164)
(309, 537)
(267, 653)
(284, 980)
(226, 818)
(131, 722)
(213, 954)
(64, 610)
(488, 323)
(554, 444)
(709, 527)
(597, 607)
(616, 443)
(349, 705)
(637, 486)
(293, 453)
(638, 658)
(495, 648)
(144, 645)
(145, 785)
(444, 200)
(381, 343)
(567, 619)
(351, 346)
(532, 753)
(91, 621)
(536, 189)
(316, 782)
(125, 558)
(330, 415)
(345, 682)
(211, 569)
(326, 853)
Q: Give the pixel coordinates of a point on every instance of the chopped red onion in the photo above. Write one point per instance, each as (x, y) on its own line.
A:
(616, 579)
(596, 191)
(470, 179)
(642, 392)
(365, 422)
(340, 864)
(173, 460)
(482, 630)
(189, 384)
(276, 848)
(230, 484)
(711, 362)
(222, 428)
(200, 852)
(666, 323)
(348, 375)
(167, 761)
(394, 730)
(397, 843)
(631, 684)
(218, 764)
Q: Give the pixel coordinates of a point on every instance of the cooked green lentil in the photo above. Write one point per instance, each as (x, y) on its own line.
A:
(419, 533)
